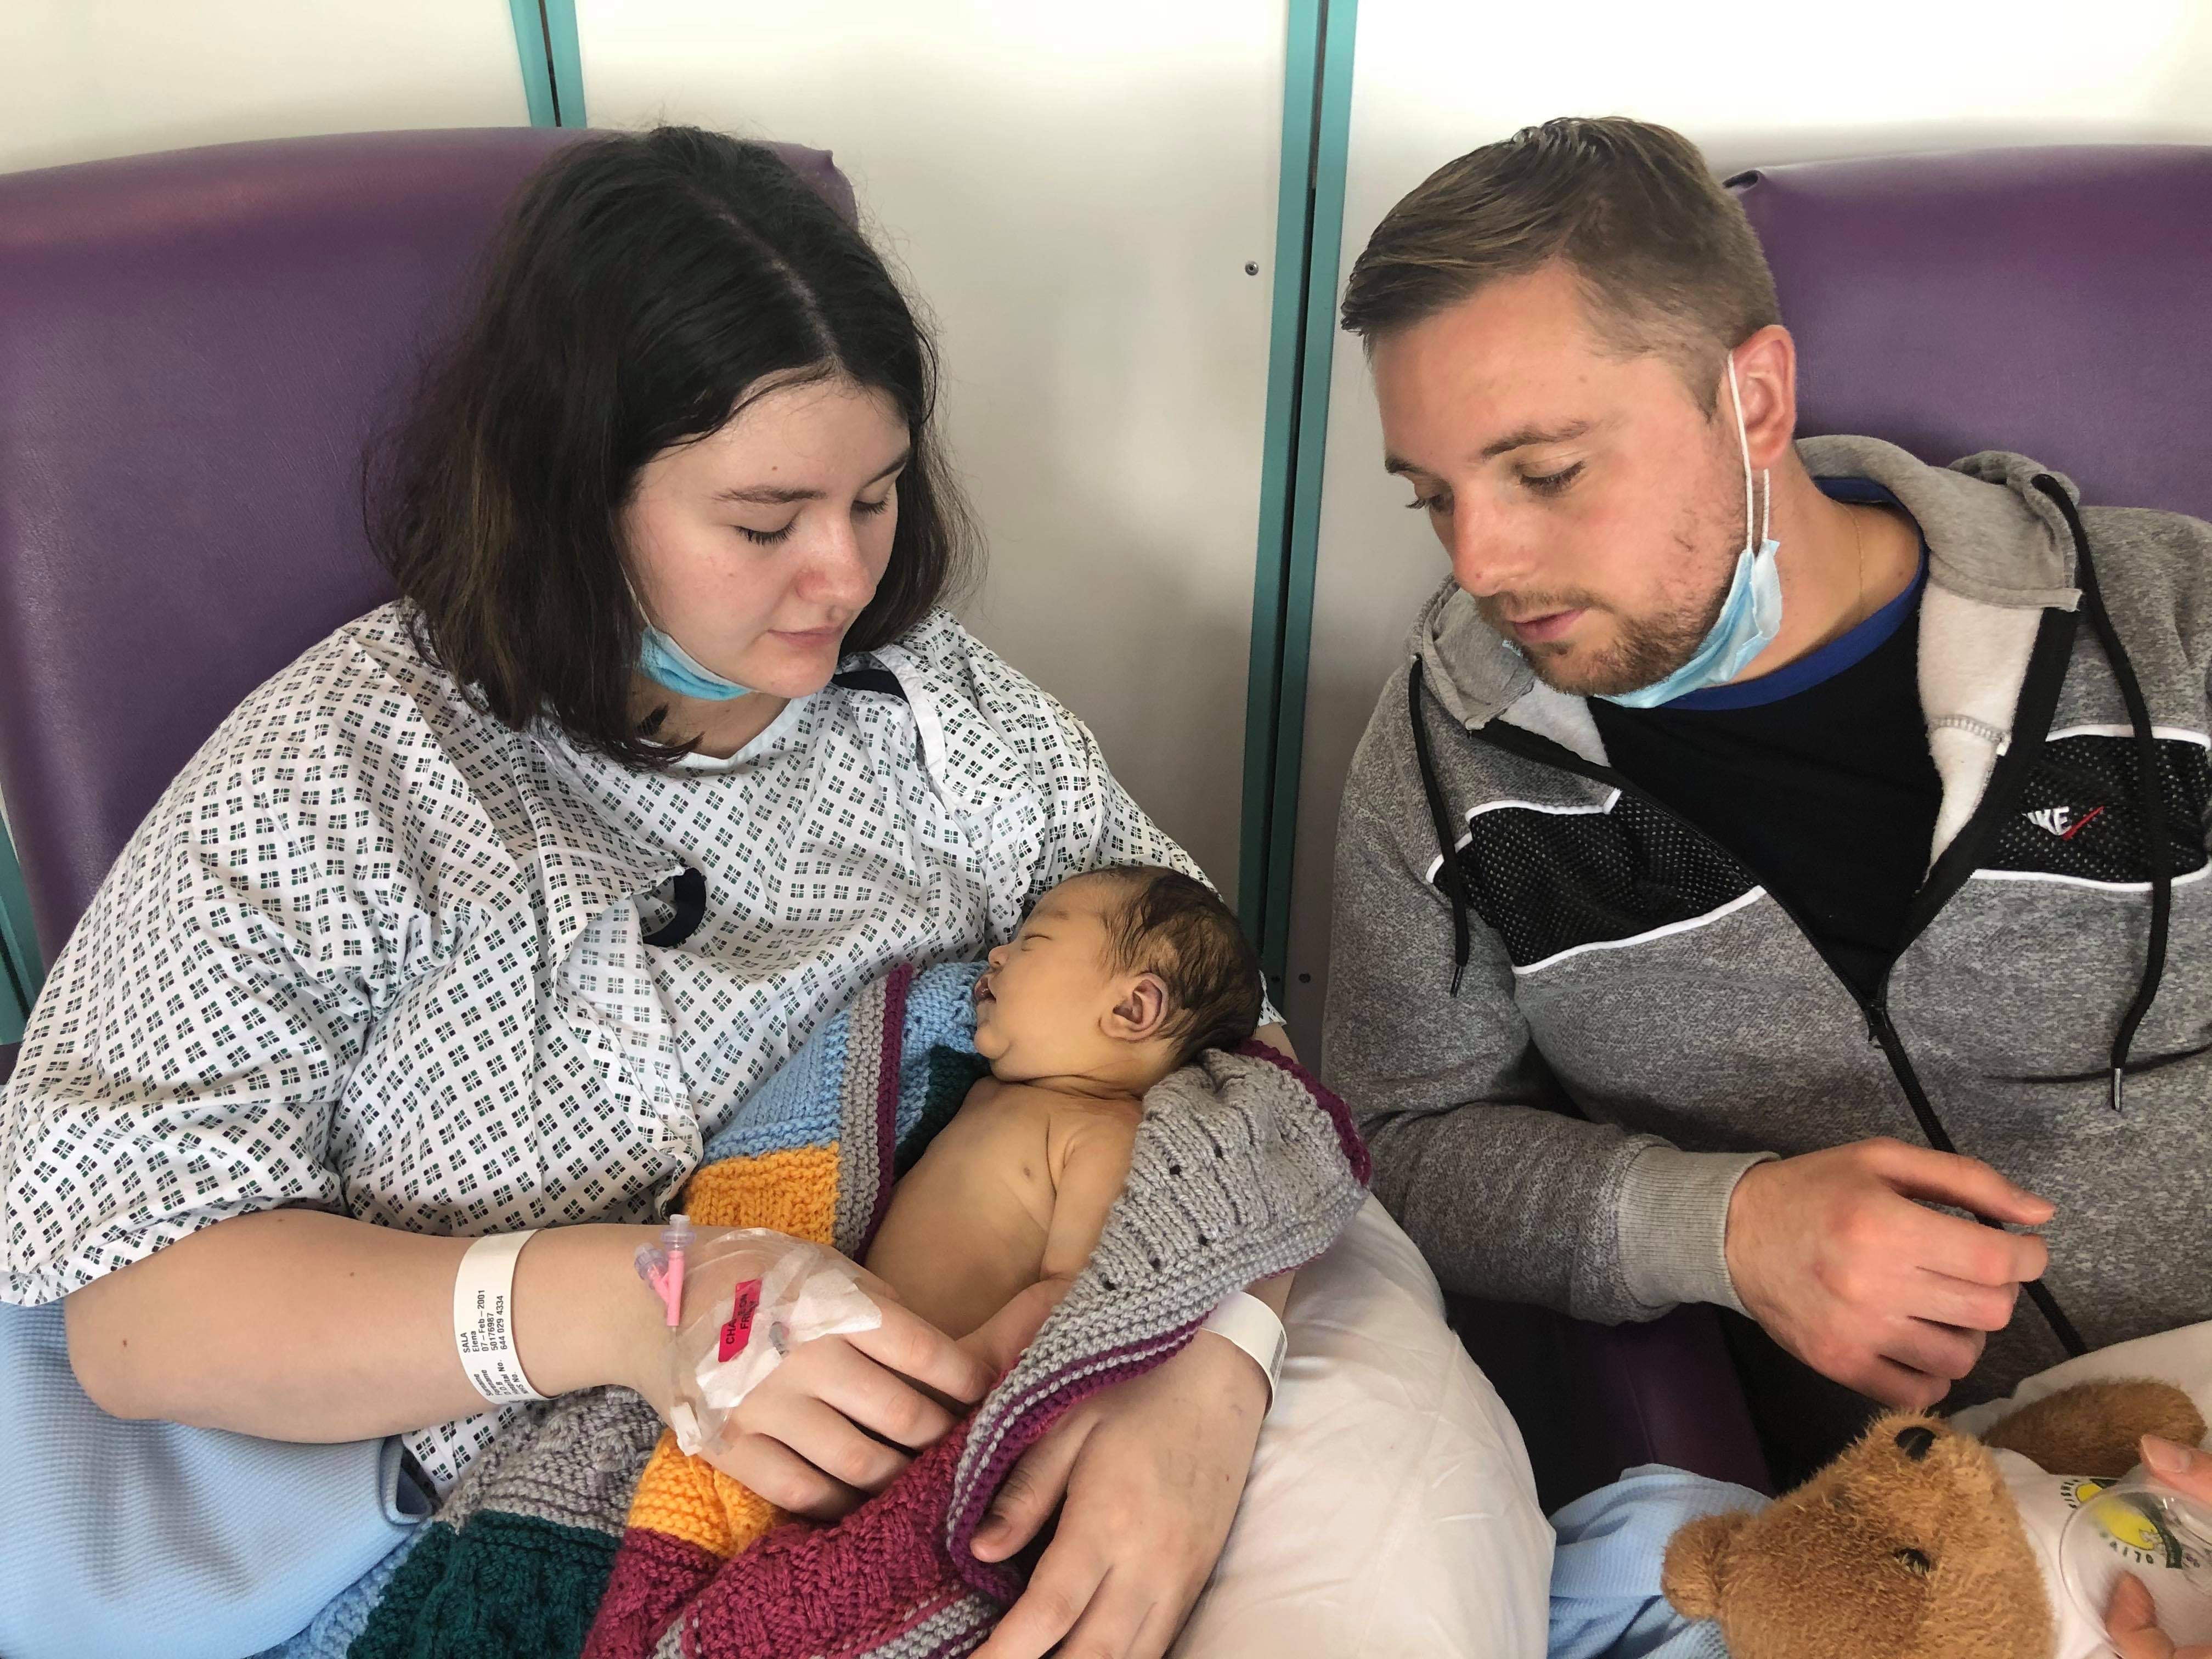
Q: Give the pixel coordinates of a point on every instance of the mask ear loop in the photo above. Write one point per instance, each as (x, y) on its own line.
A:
(1743, 448)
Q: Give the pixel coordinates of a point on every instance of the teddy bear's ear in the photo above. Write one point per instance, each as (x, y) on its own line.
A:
(1691, 1576)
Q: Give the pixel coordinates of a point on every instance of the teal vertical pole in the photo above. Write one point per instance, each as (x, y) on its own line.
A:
(1278, 453)
(1308, 238)
(567, 60)
(537, 61)
(552, 62)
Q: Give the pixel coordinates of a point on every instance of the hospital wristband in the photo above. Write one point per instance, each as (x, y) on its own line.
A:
(1253, 1326)
(483, 1319)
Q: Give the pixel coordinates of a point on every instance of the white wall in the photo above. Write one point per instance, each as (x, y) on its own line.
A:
(1074, 190)
(83, 79)
(1752, 83)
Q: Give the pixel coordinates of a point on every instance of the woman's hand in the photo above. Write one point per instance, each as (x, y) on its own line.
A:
(840, 1416)
(2131, 1622)
(1151, 1471)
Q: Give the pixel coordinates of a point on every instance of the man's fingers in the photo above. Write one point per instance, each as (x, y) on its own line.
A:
(1058, 1592)
(1966, 1184)
(1942, 1352)
(1031, 1493)
(1897, 1387)
(909, 1344)
(1949, 1301)
(1966, 1250)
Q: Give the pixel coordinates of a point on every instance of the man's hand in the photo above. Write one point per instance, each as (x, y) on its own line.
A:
(1152, 1470)
(1838, 1255)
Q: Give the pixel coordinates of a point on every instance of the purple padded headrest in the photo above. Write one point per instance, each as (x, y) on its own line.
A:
(2056, 301)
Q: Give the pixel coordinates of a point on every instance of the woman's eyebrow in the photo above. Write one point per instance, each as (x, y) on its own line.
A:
(771, 496)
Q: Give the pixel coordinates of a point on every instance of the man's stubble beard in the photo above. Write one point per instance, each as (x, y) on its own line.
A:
(1645, 649)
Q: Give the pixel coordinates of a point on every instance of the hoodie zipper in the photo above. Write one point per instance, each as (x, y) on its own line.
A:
(2039, 701)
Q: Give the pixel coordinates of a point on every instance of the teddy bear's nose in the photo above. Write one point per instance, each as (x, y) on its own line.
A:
(1915, 1442)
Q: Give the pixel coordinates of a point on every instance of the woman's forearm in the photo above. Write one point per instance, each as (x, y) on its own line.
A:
(298, 1325)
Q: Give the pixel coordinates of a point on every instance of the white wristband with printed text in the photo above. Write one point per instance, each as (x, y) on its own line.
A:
(483, 1319)
(1252, 1325)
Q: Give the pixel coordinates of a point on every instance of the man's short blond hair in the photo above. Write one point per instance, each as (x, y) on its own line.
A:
(1665, 257)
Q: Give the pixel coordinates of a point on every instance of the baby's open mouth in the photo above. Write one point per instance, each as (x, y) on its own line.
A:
(982, 994)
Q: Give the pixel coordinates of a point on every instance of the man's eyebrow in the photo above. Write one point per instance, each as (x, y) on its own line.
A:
(1524, 438)
(770, 496)
(1527, 436)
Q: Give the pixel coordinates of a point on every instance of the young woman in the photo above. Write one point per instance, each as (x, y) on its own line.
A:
(483, 913)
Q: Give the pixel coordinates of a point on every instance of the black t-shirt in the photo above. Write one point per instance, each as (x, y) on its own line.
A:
(1817, 776)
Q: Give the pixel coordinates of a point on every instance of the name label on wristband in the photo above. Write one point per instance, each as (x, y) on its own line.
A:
(483, 1319)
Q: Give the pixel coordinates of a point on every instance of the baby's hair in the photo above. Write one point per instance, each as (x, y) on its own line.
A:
(1169, 925)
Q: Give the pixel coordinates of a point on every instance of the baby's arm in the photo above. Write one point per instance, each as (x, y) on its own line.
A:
(1094, 1162)
(1094, 1165)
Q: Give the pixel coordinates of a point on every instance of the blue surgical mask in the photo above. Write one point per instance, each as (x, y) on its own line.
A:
(669, 665)
(1752, 614)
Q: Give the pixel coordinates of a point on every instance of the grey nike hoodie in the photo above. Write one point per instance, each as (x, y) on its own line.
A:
(1568, 1021)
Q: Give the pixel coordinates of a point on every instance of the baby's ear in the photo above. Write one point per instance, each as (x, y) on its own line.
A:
(1141, 1011)
(1691, 1576)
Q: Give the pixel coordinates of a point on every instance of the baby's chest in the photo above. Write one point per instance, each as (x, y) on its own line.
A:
(966, 1227)
(987, 1172)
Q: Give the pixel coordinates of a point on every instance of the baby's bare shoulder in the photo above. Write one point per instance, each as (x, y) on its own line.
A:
(1096, 1126)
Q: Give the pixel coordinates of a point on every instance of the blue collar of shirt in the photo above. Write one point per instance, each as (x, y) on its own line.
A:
(1830, 660)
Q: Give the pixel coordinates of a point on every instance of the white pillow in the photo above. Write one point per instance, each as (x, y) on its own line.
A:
(1391, 1511)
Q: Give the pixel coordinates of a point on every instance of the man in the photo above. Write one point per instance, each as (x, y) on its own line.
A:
(1756, 822)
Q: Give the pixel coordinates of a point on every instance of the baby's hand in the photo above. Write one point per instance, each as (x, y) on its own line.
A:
(999, 1341)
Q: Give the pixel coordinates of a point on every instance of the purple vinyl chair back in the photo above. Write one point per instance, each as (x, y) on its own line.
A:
(194, 349)
(2055, 301)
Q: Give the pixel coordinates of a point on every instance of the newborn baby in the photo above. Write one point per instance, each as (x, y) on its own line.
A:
(1116, 978)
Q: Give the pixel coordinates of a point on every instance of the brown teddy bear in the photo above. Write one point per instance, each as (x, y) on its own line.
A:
(1910, 1544)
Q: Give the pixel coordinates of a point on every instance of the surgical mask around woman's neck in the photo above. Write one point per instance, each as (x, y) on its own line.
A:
(669, 665)
(673, 668)
(1752, 614)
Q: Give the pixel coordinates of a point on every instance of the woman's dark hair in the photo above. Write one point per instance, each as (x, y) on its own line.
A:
(1169, 925)
(641, 289)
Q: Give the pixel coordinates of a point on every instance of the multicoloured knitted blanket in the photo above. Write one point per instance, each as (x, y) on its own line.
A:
(585, 1531)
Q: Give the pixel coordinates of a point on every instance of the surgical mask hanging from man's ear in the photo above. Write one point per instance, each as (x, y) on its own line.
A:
(1750, 616)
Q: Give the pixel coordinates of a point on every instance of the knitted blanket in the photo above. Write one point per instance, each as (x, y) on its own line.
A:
(586, 1530)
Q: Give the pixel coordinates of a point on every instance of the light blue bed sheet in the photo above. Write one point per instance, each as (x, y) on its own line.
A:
(1605, 1599)
(152, 1538)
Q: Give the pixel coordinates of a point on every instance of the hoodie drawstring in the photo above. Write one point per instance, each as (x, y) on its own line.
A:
(2150, 792)
(2150, 797)
(1455, 878)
